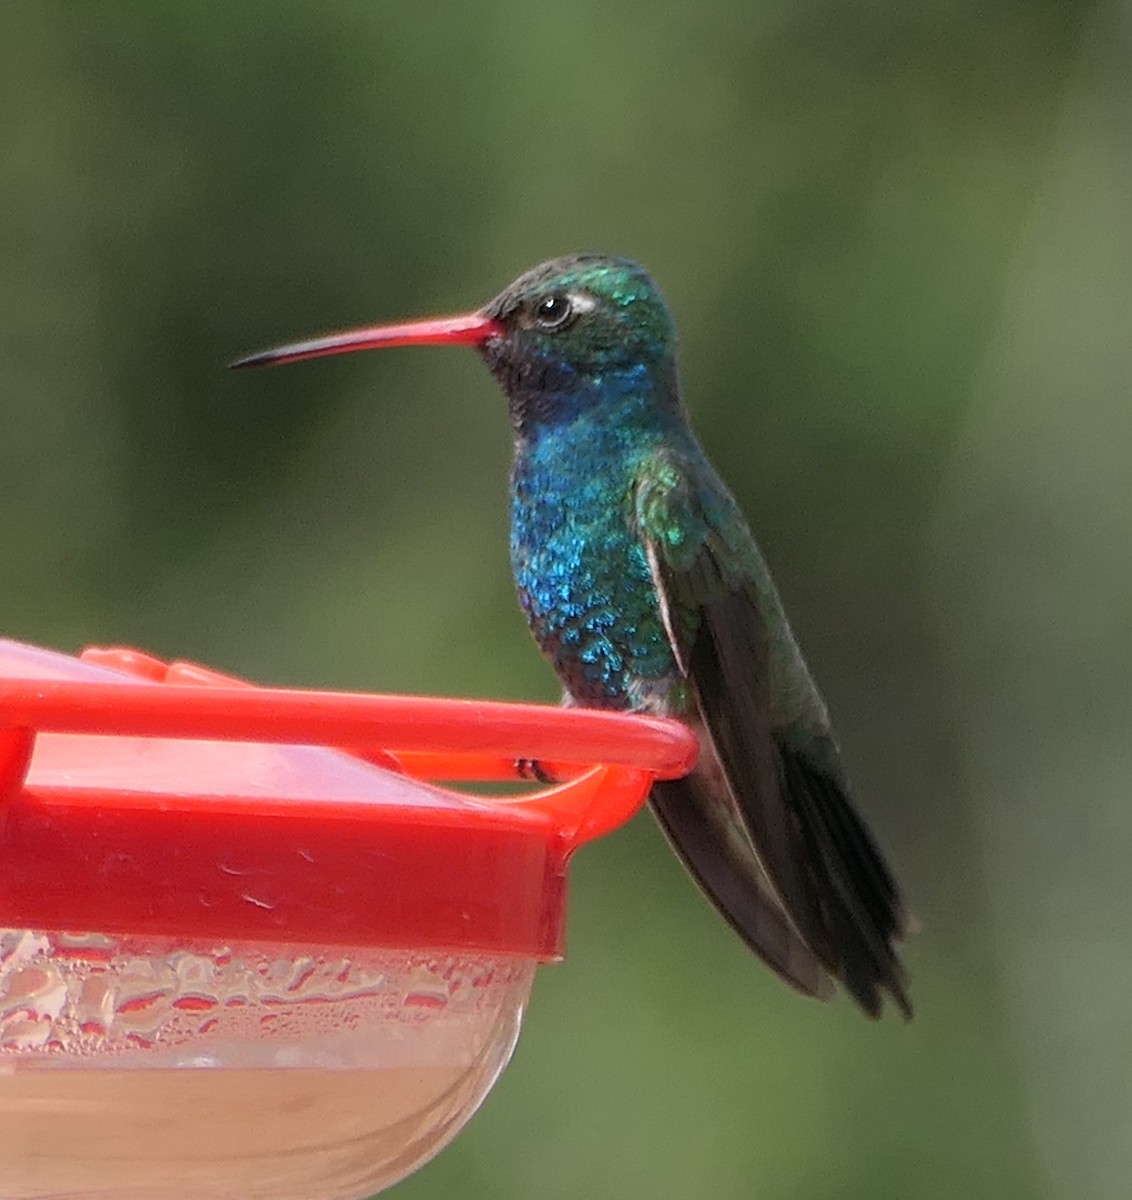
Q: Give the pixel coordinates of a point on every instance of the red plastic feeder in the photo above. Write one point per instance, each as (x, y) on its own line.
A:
(245, 948)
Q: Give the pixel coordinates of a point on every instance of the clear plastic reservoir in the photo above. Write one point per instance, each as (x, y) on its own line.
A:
(236, 1071)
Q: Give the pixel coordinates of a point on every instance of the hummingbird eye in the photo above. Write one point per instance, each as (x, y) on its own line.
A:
(551, 312)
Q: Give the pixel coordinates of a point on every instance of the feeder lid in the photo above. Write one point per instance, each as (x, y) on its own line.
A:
(148, 799)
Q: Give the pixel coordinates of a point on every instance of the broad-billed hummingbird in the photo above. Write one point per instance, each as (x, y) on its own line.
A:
(644, 588)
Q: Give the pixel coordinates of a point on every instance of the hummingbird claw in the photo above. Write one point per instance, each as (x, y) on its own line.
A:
(531, 768)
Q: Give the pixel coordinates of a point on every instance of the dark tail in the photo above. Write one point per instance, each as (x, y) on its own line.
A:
(844, 916)
(855, 916)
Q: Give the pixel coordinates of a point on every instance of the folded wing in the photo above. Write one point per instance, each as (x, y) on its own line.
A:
(765, 825)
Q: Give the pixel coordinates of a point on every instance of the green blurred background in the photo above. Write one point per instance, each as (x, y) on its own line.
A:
(897, 239)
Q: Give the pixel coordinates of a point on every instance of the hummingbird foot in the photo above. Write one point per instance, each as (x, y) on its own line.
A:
(531, 768)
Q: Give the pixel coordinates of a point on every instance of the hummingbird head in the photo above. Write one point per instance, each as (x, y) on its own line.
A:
(576, 323)
(561, 338)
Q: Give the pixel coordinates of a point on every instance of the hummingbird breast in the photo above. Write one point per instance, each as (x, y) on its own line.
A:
(583, 578)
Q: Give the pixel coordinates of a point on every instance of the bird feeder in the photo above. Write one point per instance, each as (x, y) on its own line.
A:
(247, 947)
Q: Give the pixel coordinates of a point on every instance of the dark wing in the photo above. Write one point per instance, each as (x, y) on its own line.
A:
(700, 818)
(820, 866)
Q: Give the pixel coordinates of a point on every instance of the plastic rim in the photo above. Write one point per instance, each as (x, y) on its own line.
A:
(112, 816)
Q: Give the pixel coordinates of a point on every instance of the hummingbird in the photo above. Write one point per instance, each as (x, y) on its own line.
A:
(643, 586)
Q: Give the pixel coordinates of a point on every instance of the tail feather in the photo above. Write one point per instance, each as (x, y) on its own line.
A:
(850, 919)
(859, 904)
